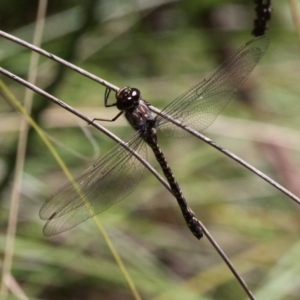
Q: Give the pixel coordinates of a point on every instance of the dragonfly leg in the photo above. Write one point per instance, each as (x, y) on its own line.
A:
(106, 96)
(107, 120)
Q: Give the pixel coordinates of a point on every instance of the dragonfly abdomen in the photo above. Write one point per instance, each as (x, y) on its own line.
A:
(189, 216)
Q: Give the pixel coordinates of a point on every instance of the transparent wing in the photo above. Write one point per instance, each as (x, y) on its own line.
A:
(107, 182)
(199, 106)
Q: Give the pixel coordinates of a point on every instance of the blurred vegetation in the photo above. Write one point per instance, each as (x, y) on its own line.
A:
(163, 48)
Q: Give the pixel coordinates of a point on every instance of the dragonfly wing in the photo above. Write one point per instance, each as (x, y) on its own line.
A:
(199, 106)
(107, 182)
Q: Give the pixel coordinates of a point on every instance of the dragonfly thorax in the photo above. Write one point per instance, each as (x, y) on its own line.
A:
(140, 117)
(127, 98)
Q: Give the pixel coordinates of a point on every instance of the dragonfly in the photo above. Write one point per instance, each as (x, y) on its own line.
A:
(113, 177)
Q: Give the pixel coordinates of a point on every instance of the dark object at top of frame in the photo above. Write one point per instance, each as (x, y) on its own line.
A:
(263, 15)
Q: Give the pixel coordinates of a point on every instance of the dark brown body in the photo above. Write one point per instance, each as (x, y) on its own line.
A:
(141, 119)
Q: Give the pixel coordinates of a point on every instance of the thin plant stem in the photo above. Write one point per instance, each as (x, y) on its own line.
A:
(21, 152)
(295, 11)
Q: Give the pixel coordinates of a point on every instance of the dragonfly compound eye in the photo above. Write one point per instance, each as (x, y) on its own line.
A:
(127, 98)
(135, 94)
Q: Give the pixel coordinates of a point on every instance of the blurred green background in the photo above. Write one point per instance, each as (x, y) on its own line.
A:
(163, 48)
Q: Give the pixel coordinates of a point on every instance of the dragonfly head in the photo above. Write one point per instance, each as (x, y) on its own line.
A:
(127, 98)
